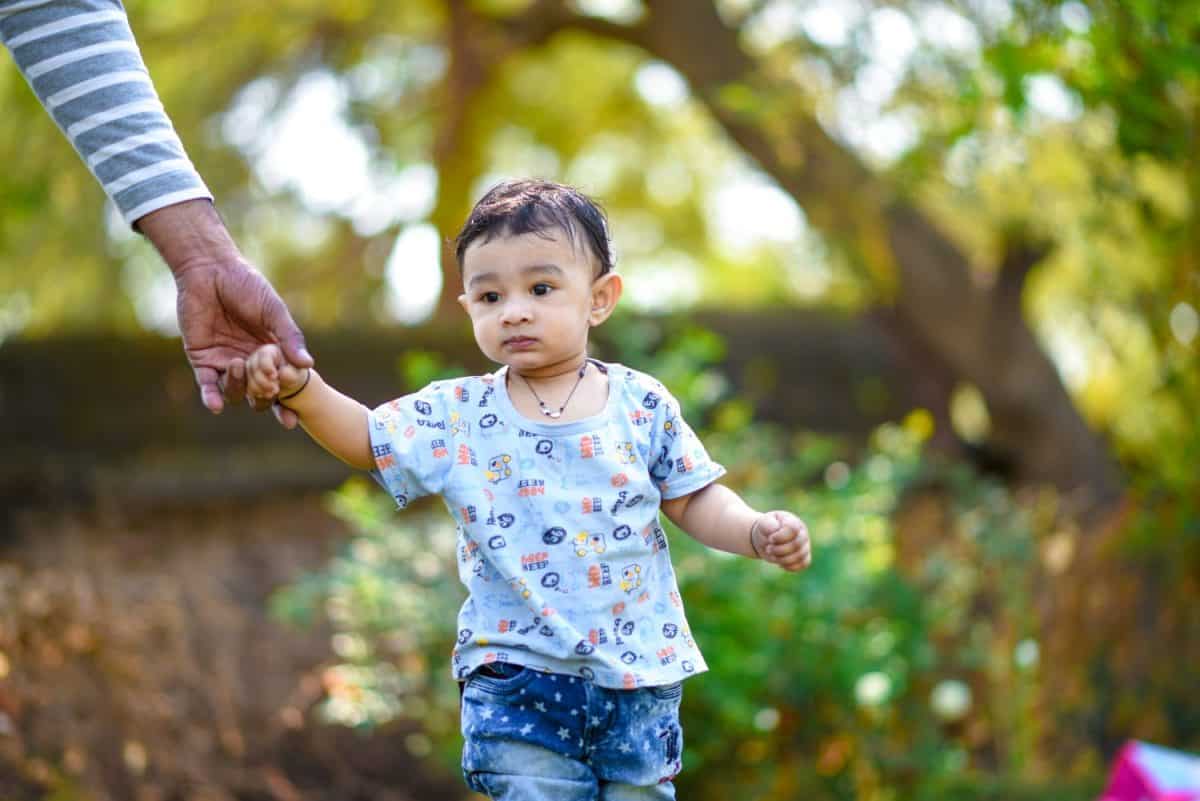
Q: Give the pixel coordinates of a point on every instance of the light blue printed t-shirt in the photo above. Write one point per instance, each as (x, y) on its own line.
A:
(559, 542)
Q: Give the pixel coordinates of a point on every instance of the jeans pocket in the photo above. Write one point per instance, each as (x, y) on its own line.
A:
(476, 782)
(500, 681)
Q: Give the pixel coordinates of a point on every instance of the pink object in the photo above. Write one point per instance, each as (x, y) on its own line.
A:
(1144, 772)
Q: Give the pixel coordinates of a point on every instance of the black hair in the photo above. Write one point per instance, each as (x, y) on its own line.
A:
(532, 206)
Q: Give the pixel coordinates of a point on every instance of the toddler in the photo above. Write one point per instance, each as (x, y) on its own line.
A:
(572, 643)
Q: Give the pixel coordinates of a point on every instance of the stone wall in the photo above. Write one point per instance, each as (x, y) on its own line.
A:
(139, 662)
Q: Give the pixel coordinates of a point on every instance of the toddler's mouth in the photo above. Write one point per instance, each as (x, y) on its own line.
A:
(519, 343)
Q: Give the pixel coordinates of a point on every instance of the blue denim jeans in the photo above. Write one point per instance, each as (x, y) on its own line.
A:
(533, 736)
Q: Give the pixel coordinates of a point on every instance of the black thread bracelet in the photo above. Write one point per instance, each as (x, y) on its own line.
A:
(307, 376)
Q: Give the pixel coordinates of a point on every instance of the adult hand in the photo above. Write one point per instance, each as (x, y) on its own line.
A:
(226, 308)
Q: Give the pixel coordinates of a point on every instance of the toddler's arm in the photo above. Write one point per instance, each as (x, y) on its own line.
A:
(338, 423)
(718, 517)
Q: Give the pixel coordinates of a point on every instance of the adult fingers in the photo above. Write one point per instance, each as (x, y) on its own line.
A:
(291, 339)
(285, 416)
(210, 389)
(234, 380)
(258, 402)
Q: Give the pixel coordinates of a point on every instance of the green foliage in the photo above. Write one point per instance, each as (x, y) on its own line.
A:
(392, 597)
(421, 367)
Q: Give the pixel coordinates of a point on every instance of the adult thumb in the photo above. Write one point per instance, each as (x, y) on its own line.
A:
(289, 336)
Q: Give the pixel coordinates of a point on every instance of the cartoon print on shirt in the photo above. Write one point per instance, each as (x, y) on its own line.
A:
(503, 520)
(599, 575)
(631, 577)
(640, 417)
(585, 542)
(519, 518)
(551, 581)
(520, 586)
(483, 569)
(654, 536)
(499, 468)
(531, 487)
(660, 471)
(623, 500)
(687, 637)
(670, 424)
(539, 560)
(590, 446)
(622, 629)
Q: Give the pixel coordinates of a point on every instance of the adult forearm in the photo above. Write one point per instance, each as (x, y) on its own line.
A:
(718, 517)
(82, 61)
(190, 234)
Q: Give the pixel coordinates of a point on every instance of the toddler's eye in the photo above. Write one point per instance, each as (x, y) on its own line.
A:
(541, 289)
(490, 297)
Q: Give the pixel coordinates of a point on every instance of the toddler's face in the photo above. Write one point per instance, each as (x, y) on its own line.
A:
(532, 298)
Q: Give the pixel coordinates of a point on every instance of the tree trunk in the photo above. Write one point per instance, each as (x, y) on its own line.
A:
(934, 304)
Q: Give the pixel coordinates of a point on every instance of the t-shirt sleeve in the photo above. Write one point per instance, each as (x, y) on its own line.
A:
(679, 463)
(408, 442)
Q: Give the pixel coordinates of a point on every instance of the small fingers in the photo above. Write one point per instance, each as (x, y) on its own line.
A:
(767, 525)
(790, 528)
(789, 545)
(801, 559)
(259, 384)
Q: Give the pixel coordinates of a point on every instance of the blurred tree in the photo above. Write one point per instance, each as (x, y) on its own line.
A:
(937, 152)
(1010, 187)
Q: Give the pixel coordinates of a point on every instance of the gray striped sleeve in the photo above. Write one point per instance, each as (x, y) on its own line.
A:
(81, 59)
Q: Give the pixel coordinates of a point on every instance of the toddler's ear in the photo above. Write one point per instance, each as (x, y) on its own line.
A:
(606, 291)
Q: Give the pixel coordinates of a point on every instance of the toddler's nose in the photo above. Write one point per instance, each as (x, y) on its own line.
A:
(516, 311)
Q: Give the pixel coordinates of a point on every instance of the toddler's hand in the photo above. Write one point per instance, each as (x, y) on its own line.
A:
(782, 538)
(269, 374)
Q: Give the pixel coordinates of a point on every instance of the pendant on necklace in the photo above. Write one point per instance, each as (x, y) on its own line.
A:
(546, 410)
